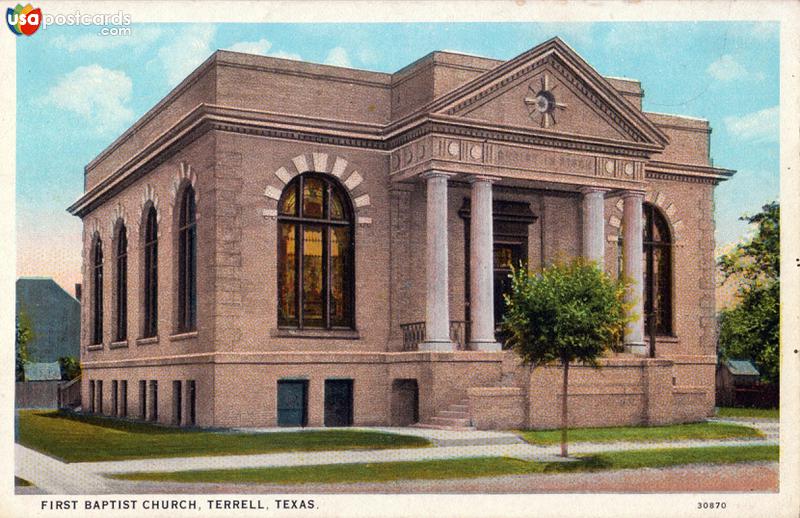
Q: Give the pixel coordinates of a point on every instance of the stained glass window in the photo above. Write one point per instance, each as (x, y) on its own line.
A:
(187, 262)
(97, 292)
(315, 255)
(122, 285)
(657, 271)
(151, 274)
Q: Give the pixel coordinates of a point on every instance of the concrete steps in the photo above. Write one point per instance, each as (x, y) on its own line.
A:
(454, 417)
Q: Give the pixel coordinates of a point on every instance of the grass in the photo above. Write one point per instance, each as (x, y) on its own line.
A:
(677, 432)
(78, 438)
(21, 482)
(464, 468)
(764, 413)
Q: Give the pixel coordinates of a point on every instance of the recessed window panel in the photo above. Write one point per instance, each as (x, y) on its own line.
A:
(313, 198)
(337, 206)
(340, 265)
(288, 204)
(313, 277)
(315, 255)
(287, 274)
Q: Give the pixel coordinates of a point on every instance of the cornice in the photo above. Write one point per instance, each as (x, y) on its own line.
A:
(658, 170)
(205, 117)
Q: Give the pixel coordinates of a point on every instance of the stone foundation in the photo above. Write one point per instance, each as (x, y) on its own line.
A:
(241, 390)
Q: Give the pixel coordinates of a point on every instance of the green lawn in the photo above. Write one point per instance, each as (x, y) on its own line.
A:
(676, 432)
(77, 438)
(465, 468)
(763, 413)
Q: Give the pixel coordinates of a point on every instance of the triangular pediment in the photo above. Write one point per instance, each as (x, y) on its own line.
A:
(550, 89)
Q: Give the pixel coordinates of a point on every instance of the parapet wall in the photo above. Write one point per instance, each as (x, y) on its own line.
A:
(622, 392)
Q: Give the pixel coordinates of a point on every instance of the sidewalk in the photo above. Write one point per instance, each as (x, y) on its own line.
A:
(53, 476)
(517, 449)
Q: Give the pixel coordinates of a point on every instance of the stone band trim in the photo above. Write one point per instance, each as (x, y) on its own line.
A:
(184, 174)
(660, 200)
(317, 162)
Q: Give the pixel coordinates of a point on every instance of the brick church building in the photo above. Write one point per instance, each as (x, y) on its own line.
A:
(279, 243)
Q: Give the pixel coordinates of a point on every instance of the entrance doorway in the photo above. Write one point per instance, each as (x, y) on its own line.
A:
(405, 402)
(338, 402)
(292, 402)
(510, 223)
(506, 255)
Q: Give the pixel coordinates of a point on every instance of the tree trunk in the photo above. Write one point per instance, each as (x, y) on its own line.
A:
(564, 420)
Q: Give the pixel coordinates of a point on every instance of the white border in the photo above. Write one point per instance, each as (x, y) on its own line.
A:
(785, 503)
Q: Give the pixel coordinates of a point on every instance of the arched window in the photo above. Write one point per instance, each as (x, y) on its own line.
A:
(657, 271)
(315, 254)
(122, 285)
(187, 262)
(150, 274)
(97, 292)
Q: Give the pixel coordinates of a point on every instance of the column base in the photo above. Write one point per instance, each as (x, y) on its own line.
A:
(485, 346)
(639, 349)
(434, 345)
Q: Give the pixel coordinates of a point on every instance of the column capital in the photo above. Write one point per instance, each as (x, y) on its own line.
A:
(435, 174)
(477, 178)
(591, 189)
(633, 194)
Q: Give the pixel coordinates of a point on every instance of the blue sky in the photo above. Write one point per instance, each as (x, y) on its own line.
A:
(77, 91)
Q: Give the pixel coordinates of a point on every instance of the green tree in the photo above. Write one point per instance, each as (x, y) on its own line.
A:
(70, 367)
(751, 328)
(24, 336)
(569, 312)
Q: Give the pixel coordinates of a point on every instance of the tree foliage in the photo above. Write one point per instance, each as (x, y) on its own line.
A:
(751, 328)
(70, 367)
(24, 336)
(569, 312)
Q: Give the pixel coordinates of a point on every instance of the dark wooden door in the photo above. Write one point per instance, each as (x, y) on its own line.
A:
(505, 255)
(338, 402)
(292, 402)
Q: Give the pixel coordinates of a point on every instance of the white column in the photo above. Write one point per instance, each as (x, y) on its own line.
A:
(481, 266)
(632, 269)
(593, 225)
(437, 307)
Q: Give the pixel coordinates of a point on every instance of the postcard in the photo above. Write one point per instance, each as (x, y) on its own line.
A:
(401, 258)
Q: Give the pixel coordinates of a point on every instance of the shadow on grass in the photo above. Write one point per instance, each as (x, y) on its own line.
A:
(117, 423)
(587, 463)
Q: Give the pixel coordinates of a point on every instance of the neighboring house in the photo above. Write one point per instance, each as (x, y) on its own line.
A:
(40, 388)
(284, 243)
(737, 383)
(55, 318)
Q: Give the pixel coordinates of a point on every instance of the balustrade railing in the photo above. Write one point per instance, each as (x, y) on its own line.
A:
(414, 334)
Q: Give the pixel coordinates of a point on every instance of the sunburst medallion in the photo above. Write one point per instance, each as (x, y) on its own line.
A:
(542, 103)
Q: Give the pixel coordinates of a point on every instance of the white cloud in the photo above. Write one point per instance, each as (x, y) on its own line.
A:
(758, 126)
(190, 47)
(726, 68)
(97, 94)
(140, 36)
(261, 46)
(368, 55)
(285, 55)
(338, 57)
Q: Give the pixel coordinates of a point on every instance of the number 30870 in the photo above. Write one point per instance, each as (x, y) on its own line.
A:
(711, 505)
